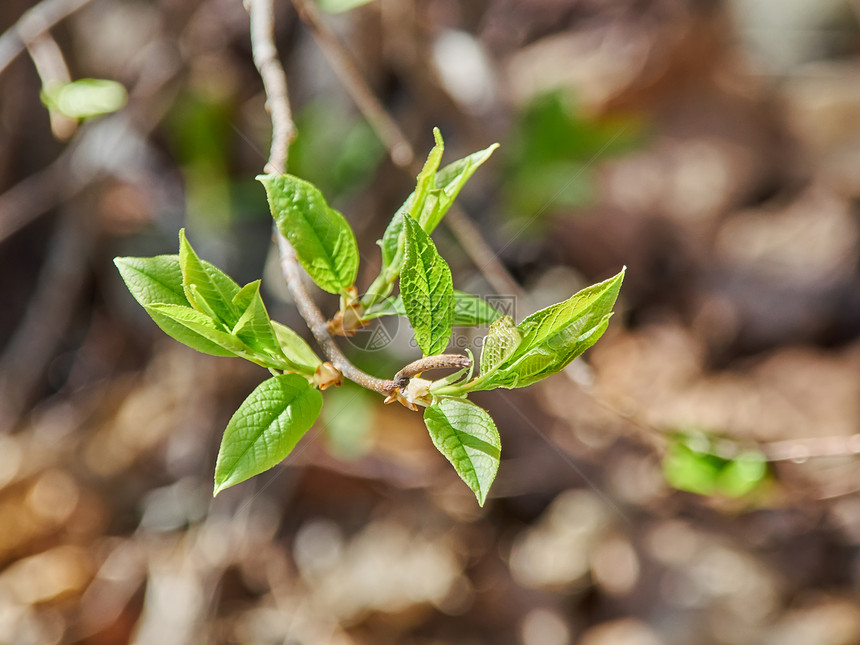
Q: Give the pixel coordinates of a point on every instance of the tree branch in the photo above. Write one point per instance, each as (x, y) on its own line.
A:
(265, 55)
(283, 130)
(317, 324)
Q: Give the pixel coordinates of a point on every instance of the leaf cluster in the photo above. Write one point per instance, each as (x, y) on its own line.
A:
(198, 304)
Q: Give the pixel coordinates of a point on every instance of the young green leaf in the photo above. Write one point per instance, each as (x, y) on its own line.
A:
(323, 240)
(468, 438)
(499, 344)
(428, 291)
(426, 180)
(435, 199)
(265, 428)
(449, 182)
(392, 240)
(469, 310)
(85, 98)
(297, 351)
(254, 327)
(191, 325)
(553, 337)
(153, 280)
(207, 287)
(156, 281)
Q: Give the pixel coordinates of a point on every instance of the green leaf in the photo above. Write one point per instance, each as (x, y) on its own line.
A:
(323, 240)
(468, 438)
(265, 428)
(449, 182)
(207, 288)
(85, 98)
(469, 310)
(553, 337)
(428, 291)
(743, 474)
(434, 198)
(690, 470)
(392, 239)
(691, 465)
(499, 344)
(191, 325)
(156, 281)
(254, 327)
(426, 180)
(296, 349)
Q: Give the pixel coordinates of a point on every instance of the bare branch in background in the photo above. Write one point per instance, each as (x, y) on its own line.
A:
(49, 311)
(386, 128)
(94, 149)
(52, 69)
(33, 24)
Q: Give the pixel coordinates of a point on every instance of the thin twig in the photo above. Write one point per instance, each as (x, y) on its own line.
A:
(277, 99)
(438, 362)
(48, 314)
(800, 450)
(265, 55)
(316, 322)
(53, 70)
(33, 24)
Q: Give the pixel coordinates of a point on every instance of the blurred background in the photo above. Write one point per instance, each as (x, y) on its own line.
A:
(691, 482)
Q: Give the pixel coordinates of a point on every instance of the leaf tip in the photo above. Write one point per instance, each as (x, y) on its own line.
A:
(437, 137)
(219, 486)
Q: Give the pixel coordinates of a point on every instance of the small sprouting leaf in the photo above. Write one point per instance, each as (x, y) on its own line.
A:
(296, 349)
(500, 343)
(553, 337)
(467, 436)
(85, 98)
(266, 428)
(207, 288)
(254, 327)
(429, 202)
(449, 182)
(323, 240)
(191, 325)
(428, 291)
(156, 281)
(426, 180)
(471, 311)
(392, 240)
